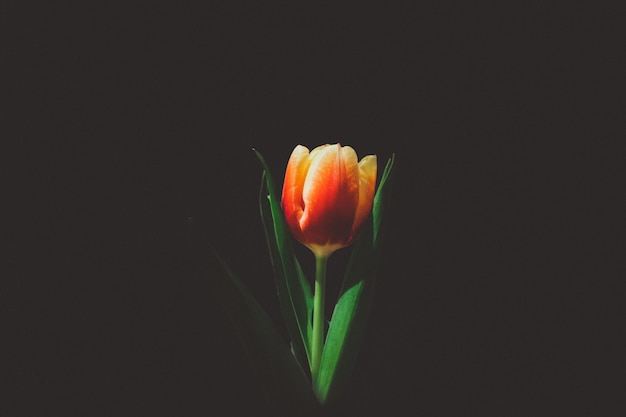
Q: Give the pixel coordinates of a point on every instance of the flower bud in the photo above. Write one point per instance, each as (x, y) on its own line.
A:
(327, 196)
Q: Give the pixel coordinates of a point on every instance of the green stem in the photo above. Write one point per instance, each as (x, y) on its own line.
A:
(318, 316)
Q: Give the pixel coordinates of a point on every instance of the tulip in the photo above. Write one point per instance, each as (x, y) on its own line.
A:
(327, 196)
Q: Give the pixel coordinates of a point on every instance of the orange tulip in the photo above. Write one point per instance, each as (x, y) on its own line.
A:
(327, 196)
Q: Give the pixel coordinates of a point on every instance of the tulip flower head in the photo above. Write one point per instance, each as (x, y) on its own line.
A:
(327, 196)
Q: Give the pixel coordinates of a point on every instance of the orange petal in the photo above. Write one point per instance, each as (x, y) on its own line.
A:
(330, 195)
(295, 174)
(367, 186)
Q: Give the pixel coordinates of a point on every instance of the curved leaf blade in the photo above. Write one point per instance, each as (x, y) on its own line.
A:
(349, 319)
(294, 290)
(283, 379)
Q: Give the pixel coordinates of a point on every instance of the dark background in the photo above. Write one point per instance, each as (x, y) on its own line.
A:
(499, 287)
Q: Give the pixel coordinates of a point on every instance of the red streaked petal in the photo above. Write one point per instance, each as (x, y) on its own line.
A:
(330, 195)
(295, 175)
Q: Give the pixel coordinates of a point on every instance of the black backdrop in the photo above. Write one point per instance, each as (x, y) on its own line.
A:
(132, 128)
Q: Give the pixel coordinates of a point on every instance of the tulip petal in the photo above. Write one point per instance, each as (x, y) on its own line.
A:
(367, 186)
(292, 202)
(316, 150)
(330, 197)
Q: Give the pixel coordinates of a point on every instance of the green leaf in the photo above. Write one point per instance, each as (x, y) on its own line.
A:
(283, 379)
(348, 322)
(294, 290)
